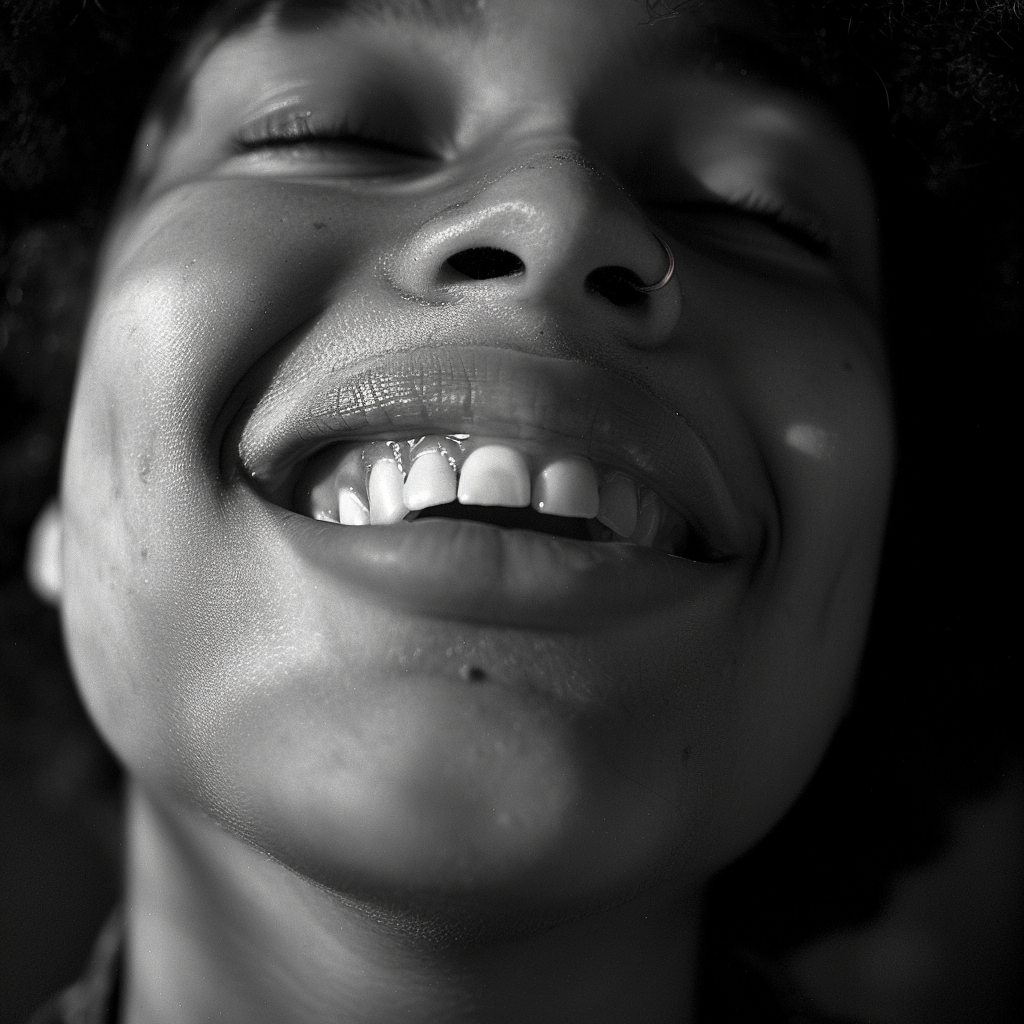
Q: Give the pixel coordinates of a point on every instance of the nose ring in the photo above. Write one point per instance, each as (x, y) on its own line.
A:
(648, 288)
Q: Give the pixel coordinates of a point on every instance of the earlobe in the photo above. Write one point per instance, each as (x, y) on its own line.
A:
(44, 559)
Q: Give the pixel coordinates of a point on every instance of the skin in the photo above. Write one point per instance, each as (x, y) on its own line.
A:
(327, 820)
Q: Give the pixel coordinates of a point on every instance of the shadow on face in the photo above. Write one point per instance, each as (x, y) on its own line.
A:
(375, 327)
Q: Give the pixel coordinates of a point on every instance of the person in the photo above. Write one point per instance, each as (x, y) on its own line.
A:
(472, 504)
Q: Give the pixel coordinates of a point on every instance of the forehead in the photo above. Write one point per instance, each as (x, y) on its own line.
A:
(232, 16)
(748, 37)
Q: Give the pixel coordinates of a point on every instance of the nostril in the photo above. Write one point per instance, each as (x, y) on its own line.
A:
(485, 262)
(616, 284)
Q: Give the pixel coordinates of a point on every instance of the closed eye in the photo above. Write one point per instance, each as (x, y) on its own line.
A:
(332, 137)
(802, 230)
(300, 134)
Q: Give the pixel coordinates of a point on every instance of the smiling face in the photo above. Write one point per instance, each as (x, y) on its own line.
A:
(434, 222)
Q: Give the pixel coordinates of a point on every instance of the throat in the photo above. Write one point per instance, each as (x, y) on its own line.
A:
(217, 930)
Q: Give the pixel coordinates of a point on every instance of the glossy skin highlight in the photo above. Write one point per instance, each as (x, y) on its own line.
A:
(313, 719)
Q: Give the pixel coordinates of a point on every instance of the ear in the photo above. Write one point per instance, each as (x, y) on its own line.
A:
(44, 560)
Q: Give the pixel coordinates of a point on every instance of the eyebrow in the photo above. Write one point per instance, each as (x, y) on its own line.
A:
(445, 14)
(743, 53)
(766, 62)
(777, 60)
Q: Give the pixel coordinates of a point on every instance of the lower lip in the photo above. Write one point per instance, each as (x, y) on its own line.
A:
(472, 572)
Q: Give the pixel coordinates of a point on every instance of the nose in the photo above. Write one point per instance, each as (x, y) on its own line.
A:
(556, 231)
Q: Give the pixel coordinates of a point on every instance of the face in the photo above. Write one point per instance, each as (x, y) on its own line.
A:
(406, 535)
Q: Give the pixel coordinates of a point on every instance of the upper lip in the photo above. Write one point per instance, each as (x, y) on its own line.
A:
(496, 392)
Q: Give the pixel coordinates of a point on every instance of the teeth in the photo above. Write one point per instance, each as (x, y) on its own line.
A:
(567, 487)
(618, 505)
(648, 519)
(384, 491)
(495, 475)
(352, 510)
(383, 482)
(431, 481)
(348, 477)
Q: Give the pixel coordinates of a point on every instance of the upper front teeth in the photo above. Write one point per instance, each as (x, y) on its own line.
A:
(431, 481)
(384, 490)
(495, 475)
(384, 481)
(568, 487)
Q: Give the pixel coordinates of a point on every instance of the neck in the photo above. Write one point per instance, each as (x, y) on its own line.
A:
(217, 930)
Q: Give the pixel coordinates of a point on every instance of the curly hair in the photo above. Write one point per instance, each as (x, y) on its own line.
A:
(930, 88)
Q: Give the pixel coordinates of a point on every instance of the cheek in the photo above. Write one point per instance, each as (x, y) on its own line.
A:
(807, 374)
(813, 383)
(186, 303)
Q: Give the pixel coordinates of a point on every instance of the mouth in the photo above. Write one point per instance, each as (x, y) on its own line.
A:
(508, 485)
(492, 485)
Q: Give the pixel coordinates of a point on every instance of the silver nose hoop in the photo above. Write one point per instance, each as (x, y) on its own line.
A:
(646, 289)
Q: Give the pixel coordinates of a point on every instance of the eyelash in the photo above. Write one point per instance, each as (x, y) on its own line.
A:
(298, 129)
(799, 228)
